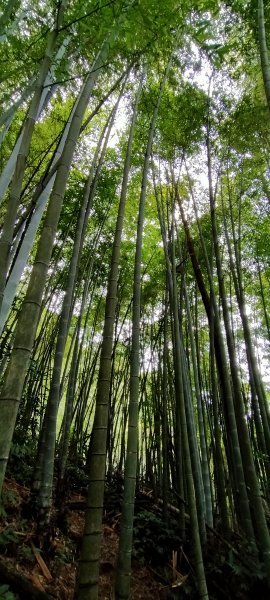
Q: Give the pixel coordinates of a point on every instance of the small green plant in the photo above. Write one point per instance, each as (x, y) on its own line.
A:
(251, 571)
(63, 556)
(5, 593)
(153, 539)
(76, 475)
(9, 500)
(7, 536)
(21, 461)
(26, 554)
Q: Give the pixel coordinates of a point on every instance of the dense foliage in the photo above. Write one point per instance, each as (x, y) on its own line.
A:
(135, 269)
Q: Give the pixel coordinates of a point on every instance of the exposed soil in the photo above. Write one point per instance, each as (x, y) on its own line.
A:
(19, 553)
(160, 570)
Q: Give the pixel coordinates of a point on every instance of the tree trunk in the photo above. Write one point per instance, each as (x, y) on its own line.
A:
(122, 586)
(88, 569)
(264, 56)
(29, 315)
(27, 133)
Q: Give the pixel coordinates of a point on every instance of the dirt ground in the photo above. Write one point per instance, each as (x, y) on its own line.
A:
(55, 573)
(50, 569)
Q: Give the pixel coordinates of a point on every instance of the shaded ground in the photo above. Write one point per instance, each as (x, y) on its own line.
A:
(19, 554)
(162, 566)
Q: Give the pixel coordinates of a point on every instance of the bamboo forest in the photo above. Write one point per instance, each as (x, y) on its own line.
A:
(134, 299)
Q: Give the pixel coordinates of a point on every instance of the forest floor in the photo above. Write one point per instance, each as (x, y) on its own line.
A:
(159, 572)
(54, 573)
